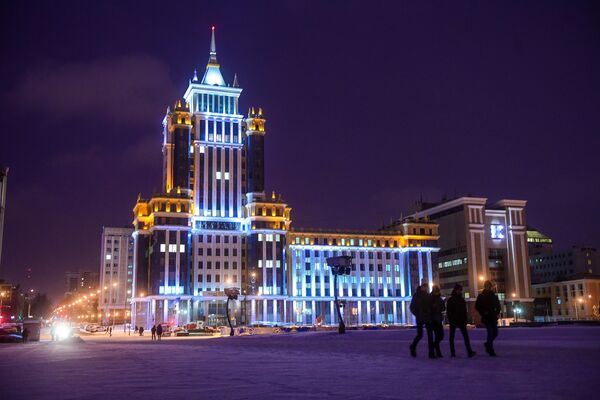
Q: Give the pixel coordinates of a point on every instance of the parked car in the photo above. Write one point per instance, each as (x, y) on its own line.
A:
(11, 338)
(166, 330)
(93, 328)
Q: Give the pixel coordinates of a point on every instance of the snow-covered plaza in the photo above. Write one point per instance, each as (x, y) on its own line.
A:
(532, 363)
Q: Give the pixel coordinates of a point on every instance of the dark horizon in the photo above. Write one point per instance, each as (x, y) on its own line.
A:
(391, 102)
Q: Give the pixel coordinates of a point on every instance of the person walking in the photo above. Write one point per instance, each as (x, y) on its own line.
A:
(159, 331)
(153, 330)
(420, 307)
(488, 306)
(456, 311)
(110, 331)
(141, 331)
(25, 335)
(437, 320)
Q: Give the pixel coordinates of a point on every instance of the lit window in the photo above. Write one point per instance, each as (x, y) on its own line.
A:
(182, 248)
(226, 175)
(260, 237)
(218, 173)
(259, 263)
(202, 149)
(192, 149)
(108, 256)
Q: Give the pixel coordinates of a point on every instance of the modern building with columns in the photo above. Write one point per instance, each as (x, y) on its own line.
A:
(214, 226)
(482, 241)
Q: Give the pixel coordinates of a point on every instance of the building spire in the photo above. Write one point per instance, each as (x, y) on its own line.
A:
(235, 81)
(213, 48)
(213, 76)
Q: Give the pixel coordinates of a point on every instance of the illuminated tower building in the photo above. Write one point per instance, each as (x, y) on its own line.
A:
(215, 226)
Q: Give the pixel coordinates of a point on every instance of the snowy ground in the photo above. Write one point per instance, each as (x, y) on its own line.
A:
(549, 363)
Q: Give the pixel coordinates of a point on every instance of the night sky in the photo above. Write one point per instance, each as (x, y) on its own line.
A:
(370, 106)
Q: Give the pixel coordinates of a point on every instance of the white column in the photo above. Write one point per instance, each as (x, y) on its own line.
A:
(213, 206)
(395, 310)
(265, 310)
(205, 204)
(420, 261)
(359, 307)
(368, 312)
(166, 311)
(253, 311)
(222, 169)
(429, 268)
(231, 177)
(377, 314)
(274, 310)
(331, 311)
(303, 312)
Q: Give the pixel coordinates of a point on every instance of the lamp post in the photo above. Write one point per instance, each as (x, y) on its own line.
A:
(232, 294)
(29, 303)
(340, 265)
(580, 300)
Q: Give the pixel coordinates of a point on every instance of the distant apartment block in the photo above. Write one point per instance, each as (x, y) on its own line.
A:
(116, 269)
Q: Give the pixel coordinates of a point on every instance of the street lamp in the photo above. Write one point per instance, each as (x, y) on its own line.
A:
(341, 265)
(232, 294)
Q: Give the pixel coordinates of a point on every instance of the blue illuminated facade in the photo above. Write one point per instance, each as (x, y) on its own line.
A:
(213, 226)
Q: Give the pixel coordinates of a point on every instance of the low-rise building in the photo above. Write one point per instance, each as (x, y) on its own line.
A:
(576, 297)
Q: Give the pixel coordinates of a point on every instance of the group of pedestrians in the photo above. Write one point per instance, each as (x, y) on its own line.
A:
(156, 331)
(428, 309)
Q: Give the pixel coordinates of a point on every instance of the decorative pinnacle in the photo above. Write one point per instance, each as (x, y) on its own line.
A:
(195, 78)
(213, 48)
(235, 81)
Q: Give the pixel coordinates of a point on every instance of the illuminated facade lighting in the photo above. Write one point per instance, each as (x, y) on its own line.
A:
(221, 229)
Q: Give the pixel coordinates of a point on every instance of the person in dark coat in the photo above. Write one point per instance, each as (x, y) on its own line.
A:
(158, 331)
(420, 307)
(488, 306)
(25, 334)
(141, 331)
(437, 320)
(153, 330)
(456, 311)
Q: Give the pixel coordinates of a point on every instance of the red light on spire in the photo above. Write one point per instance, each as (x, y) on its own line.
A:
(212, 27)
